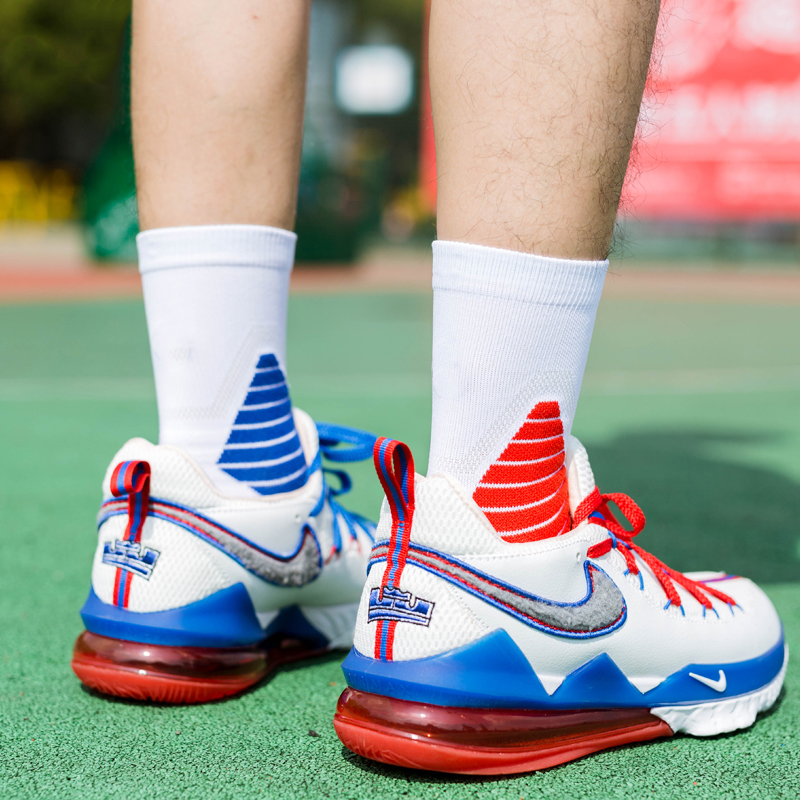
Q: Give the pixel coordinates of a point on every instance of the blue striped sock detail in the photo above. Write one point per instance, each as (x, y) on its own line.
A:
(267, 377)
(263, 449)
(269, 472)
(269, 452)
(251, 417)
(261, 433)
(273, 394)
(267, 361)
(287, 486)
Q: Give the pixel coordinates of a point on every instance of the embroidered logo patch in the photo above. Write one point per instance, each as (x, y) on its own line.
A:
(394, 604)
(131, 556)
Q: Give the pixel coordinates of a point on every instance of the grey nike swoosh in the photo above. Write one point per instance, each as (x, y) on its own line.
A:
(600, 611)
(292, 570)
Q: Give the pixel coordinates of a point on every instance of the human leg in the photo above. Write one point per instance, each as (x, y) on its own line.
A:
(221, 551)
(509, 622)
(535, 107)
(218, 91)
(218, 94)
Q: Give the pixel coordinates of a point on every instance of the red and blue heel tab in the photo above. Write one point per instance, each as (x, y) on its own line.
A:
(394, 464)
(130, 479)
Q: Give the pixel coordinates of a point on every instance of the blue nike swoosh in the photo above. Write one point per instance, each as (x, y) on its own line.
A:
(600, 611)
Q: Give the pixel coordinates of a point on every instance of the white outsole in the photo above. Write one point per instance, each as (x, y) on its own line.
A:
(723, 716)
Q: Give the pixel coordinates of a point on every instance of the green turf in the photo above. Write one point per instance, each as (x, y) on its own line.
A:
(690, 408)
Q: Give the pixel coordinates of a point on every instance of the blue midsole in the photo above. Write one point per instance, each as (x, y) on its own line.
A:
(223, 619)
(493, 673)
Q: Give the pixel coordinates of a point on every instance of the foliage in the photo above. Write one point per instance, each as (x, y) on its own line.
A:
(403, 16)
(56, 59)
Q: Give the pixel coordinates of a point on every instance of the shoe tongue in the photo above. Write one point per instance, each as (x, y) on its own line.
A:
(307, 432)
(580, 477)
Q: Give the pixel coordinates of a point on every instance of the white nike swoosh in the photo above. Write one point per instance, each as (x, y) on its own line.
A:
(718, 685)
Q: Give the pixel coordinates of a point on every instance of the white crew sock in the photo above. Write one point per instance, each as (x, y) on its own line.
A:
(216, 299)
(511, 334)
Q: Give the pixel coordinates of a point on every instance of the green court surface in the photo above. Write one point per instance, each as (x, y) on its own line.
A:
(693, 409)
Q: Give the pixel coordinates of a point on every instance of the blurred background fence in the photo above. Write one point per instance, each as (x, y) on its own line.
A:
(716, 173)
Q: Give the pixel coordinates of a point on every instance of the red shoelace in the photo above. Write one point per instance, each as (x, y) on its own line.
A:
(621, 540)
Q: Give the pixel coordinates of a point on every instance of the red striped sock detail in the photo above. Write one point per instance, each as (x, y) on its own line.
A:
(524, 494)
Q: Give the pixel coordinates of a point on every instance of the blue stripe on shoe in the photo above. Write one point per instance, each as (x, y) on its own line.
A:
(223, 619)
(492, 672)
(263, 449)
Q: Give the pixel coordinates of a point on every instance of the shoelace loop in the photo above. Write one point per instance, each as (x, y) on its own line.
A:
(342, 444)
(595, 505)
(332, 437)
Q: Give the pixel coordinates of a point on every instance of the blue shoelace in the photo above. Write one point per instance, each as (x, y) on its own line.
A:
(342, 444)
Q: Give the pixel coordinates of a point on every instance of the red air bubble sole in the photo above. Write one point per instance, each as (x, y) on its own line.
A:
(483, 741)
(170, 674)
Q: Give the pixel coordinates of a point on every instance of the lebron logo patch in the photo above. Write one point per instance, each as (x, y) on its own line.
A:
(394, 604)
(131, 556)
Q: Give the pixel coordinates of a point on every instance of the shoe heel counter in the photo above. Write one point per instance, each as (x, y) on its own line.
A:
(168, 568)
(425, 616)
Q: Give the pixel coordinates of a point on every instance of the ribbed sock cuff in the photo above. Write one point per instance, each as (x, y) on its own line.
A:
(216, 246)
(495, 272)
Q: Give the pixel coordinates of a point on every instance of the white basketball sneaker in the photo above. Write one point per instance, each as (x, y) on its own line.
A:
(480, 655)
(196, 596)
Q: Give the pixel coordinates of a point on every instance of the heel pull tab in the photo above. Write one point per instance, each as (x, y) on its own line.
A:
(394, 464)
(131, 478)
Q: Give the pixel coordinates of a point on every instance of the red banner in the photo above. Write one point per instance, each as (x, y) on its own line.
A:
(721, 125)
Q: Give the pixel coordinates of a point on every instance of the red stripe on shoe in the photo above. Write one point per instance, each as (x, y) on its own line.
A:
(128, 578)
(524, 494)
(378, 637)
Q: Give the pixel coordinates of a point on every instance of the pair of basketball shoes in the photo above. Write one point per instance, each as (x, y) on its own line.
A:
(510, 629)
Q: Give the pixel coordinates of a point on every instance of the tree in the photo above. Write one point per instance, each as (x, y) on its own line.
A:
(56, 64)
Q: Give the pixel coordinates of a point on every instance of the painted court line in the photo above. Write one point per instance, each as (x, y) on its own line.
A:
(417, 385)
(693, 381)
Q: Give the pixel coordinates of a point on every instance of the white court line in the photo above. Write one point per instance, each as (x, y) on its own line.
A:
(417, 385)
(34, 389)
(629, 382)
(693, 381)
